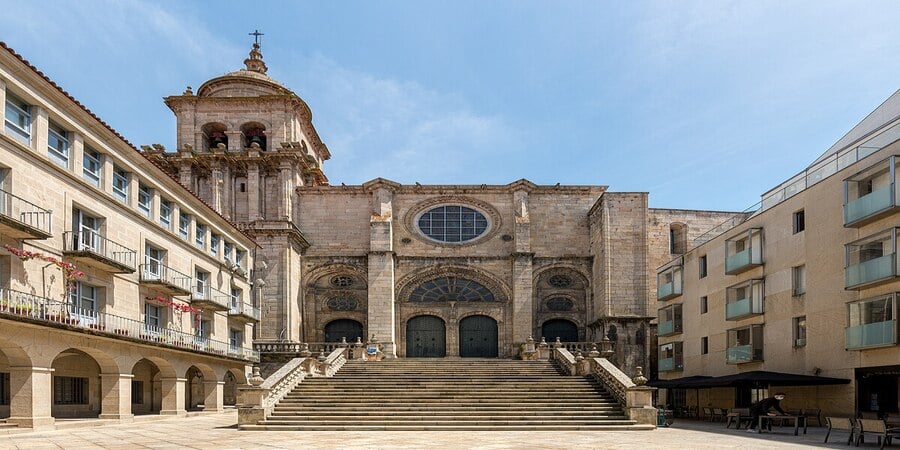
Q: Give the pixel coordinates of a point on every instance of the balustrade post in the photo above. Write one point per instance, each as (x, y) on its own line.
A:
(639, 400)
(544, 350)
(252, 399)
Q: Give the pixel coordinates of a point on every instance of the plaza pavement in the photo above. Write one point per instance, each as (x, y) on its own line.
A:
(218, 431)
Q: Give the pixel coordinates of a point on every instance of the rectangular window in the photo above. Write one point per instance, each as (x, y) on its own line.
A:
(800, 331)
(239, 257)
(70, 391)
(702, 263)
(228, 253)
(200, 235)
(165, 213)
(83, 299)
(201, 284)
(704, 305)
(18, 119)
(203, 328)
(670, 321)
(235, 338)
(4, 389)
(704, 345)
(87, 232)
(144, 199)
(798, 279)
(154, 260)
(214, 244)
(184, 226)
(152, 319)
(799, 221)
(58, 145)
(137, 392)
(120, 184)
(236, 297)
(92, 163)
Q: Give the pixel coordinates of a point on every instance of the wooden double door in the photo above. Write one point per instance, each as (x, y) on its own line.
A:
(426, 337)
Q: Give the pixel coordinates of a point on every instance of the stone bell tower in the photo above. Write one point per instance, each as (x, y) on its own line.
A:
(245, 142)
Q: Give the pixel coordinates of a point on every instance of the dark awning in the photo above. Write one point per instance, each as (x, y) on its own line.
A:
(677, 383)
(756, 377)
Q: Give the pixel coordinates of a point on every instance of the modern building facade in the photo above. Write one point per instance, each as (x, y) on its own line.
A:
(121, 292)
(806, 284)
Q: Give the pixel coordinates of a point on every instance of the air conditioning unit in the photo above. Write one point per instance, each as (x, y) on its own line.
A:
(801, 342)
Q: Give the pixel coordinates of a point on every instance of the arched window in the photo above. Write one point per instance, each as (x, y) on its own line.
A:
(254, 133)
(451, 289)
(214, 133)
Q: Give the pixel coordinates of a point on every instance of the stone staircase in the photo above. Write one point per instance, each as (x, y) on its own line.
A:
(448, 394)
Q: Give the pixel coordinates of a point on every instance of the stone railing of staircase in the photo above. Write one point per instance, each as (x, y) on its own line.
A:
(635, 398)
(259, 397)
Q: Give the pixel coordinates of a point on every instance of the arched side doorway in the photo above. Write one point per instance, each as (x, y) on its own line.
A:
(343, 328)
(563, 329)
(426, 337)
(146, 388)
(478, 337)
(76, 385)
(195, 392)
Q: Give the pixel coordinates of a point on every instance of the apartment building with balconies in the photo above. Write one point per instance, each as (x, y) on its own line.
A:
(121, 292)
(799, 294)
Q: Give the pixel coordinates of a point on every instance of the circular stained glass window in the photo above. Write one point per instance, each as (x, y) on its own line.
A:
(451, 289)
(342, 304)
(452, 223)
(560, 281)
(560, 304)
(342, 281)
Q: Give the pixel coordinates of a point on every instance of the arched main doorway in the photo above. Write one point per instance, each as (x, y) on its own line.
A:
(343, 328)
(563, 329)
(426, 337)
(478, 337)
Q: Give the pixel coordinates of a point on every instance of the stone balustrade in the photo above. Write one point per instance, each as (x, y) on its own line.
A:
(636, 398)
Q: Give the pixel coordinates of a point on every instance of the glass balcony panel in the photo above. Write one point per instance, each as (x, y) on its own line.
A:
(737, 260)
(868, 204)
(738, 308)
(666, 364)
(740, 353)
(871, 270)
(665, 290)
(871, 335)
(666, 328)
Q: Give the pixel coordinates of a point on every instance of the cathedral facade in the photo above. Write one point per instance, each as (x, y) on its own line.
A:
(426, 270)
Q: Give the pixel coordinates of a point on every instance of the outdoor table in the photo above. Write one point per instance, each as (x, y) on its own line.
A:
(797, 419)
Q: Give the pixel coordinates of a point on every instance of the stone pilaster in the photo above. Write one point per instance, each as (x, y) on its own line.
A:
(381, 315)
(115, 396)
(523, 292)
(215, 188)
(215, 393)
(286, 181)
(184, 174)
(253, 192)
(31, 397)
(173, 396)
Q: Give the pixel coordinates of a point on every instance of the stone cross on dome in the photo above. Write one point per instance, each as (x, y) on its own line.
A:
(255, 62)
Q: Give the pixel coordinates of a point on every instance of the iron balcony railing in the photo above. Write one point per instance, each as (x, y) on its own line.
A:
(244, 309)
(22, 304)
(158, 273)
(209, 295)
(25, 213)
(100, 248)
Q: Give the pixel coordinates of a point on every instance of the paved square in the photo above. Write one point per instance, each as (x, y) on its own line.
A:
(219, 432)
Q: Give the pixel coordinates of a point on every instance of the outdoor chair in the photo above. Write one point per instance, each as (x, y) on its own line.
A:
(719, 414)
(692, 412)
(738, 416)
(840, 424)
(707, 413)
(814, 413)
(873, 427)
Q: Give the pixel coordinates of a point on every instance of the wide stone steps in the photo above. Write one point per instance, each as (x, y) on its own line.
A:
(447, 394)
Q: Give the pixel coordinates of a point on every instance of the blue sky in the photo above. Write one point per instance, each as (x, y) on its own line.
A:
(704, 104)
